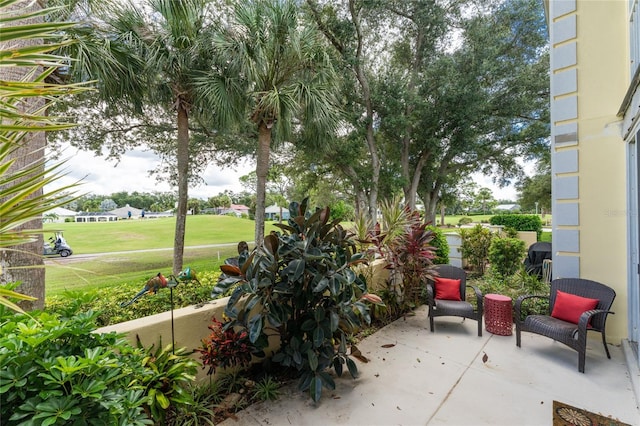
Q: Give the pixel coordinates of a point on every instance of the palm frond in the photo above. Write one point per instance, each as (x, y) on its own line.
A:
(22, 198)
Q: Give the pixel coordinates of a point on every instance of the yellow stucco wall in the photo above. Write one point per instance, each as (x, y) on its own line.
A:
(602, 63)
(190, 327)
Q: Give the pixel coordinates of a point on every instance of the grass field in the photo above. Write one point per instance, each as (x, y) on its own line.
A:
(77, 273)
(126, 235)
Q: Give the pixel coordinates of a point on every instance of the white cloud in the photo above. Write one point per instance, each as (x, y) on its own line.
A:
(103, 177)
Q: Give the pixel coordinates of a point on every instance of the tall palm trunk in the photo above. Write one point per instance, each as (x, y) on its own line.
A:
(183, 187)
(24, 263)
(262, 168)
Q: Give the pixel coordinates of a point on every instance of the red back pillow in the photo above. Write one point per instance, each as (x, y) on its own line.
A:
(569, 307)
(447, 289)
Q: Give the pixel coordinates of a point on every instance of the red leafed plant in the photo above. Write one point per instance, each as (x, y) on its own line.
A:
(225, 347)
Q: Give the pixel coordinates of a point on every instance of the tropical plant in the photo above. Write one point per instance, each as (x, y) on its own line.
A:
(201, 412)
(225, 348)
(168, 373)
(409, 257)
(300, 285)
(25, 95)
(267, 389)
(277, 75)
(57, 371)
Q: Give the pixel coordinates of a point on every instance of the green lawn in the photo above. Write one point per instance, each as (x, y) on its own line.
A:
(137, 267)
(125, 235)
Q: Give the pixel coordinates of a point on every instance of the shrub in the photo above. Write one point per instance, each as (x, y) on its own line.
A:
(409, 256)
(342, 210)
(465, 220)
(300, 283)
(225, 347)
(475, 246)
(441, 245)
(168, 374)
(107, 300)
(505, 255)
(57, 370)
(518, 284)
(519, 222)
(54, 370)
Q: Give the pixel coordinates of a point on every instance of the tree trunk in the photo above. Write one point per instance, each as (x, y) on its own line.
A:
(262, 167)
(183, 188)
(24, 263)
(430, 200)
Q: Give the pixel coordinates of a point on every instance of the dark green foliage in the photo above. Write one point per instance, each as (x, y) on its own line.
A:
(475, 246)
(519, 222)
(107, 300)
(439, 242)
(168, 373)
(56, 371)
(267, 389)
(518, 284)
(535, 189)
(506, 255)
(299, 284)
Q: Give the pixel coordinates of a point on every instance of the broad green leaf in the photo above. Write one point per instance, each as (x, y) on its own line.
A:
(315, 388)
(255, 327)
(313, 360)
(163, 400)
(318, 337)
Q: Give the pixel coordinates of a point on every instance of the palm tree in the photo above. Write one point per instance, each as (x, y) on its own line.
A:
(274, 70)
(146, 54)
(24, 97)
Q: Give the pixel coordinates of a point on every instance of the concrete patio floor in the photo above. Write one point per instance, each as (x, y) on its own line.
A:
(442, 378)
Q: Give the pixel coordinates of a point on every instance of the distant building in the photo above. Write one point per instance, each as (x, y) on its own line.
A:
(236, 209)
(273, 212)
(96, 217)
(58, 215)
(123, 212)
(512, 208)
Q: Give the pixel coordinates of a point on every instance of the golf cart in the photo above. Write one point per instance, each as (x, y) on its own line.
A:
(57, 245)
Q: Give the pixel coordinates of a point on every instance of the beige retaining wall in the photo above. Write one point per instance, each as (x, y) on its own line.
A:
(190, 327)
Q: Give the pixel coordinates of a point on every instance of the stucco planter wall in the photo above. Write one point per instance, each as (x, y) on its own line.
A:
(190, 327)
(529, 237)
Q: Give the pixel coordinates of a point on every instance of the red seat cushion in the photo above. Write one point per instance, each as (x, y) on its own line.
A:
(447, 289)
(568, 307)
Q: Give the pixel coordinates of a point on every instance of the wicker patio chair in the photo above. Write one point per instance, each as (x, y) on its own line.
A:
(462, 308)
(568, 333)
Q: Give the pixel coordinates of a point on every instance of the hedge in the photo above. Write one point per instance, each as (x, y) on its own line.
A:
(519, 222)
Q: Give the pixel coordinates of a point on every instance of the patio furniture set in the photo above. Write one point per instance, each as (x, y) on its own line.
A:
(576, 306)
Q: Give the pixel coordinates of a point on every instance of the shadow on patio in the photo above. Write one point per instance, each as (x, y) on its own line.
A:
(444, 378)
